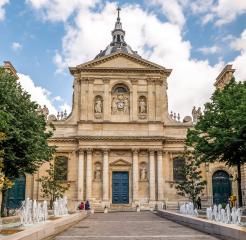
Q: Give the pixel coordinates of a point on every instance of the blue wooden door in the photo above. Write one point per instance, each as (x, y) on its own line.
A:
(16, 194)
(120, 188)
(221, 187)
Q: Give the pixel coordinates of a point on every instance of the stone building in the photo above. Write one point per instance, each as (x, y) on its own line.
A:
(120, 145)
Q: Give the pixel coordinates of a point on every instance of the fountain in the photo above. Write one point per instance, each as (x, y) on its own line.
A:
(32, 212)
(188, 209)
(60, 207)
(227, 215)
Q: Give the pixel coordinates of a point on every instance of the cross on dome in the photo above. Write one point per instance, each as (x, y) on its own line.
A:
(118, 43)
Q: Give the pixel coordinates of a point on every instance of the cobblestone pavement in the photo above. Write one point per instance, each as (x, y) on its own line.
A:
(129, 226)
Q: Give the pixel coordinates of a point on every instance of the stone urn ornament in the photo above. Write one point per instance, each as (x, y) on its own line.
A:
(138, 208)
(105, 209)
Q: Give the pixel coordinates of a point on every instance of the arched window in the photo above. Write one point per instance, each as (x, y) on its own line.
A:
(120, 88)
(61, 168)
(178, 164)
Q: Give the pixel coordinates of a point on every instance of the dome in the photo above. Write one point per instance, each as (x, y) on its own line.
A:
(118, 43)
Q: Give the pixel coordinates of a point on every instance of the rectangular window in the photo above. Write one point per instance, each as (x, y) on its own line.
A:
(178, 165)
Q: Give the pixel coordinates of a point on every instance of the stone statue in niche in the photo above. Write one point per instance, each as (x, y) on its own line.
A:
(114, 105)
(142, 106)
(126, 105)
(98, 173)
(143, 173)
(98, 105)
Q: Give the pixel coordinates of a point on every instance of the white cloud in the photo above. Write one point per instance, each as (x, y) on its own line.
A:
(60, 10)
(209, 50)
(239, 62)
(221, 11)
(57, 98)
(2, 11)
(16, 46)
(228, 10)
(38, 94)
(239, 43)
(173, 10)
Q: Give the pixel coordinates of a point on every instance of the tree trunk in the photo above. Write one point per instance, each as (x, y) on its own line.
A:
(4, 195)
(239, 189)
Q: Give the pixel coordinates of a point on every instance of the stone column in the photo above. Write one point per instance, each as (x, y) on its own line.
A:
(151, 175)
(88, 174)
(135, 174)
(80, 172)
(160, 175)
(105, 175)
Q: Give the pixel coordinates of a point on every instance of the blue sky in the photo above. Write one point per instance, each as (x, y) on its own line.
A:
(195, 38)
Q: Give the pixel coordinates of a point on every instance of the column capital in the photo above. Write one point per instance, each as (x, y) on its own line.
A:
(159, 151)
(81, 150)
(105, 150)
(89, 150)
(151, 151)
(106, 80)
(135, 150)
(91, 80)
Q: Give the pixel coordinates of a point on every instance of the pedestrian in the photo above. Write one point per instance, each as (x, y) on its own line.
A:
(81, 206)
(199, 203)
(87, 205)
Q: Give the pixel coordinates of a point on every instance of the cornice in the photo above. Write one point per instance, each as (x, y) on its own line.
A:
(75, 139)
(90, 66)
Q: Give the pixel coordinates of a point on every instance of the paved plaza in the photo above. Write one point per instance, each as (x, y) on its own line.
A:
(130, 225)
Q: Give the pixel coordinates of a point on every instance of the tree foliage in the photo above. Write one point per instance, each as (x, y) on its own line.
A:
(192, 185)
(25, 145)
(220, 134)
(52, 187)
(5, 182)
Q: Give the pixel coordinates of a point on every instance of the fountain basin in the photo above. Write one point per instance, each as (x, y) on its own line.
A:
(48, 229)
(223, 231)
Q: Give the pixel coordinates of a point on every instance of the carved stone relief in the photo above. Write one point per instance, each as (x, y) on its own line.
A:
(120, 100)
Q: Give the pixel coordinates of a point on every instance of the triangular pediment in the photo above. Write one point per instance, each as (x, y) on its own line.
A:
(120, 162)
(121, 60)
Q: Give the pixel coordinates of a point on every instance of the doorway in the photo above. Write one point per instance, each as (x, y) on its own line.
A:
(221, 187)
(120, 187)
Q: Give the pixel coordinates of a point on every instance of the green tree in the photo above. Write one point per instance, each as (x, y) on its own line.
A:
(5, 182)
(25, 145)
(220, 134)
(53, 187)
(191, 185)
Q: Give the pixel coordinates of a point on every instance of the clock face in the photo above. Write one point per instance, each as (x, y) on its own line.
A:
(120, 105)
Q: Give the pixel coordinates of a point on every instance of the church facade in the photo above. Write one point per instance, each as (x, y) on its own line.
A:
(120, 144)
